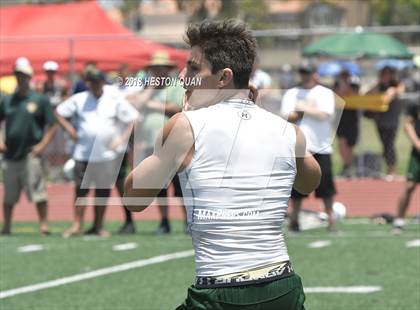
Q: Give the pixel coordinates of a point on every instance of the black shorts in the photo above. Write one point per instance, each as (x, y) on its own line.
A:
(348, 127)
(326, 188)
(98, 175)
(177, 188)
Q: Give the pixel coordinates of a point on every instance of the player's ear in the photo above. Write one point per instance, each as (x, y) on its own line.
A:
(226, 77)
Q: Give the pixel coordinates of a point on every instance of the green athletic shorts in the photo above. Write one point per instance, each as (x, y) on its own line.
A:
(413, 172)
(286, 293)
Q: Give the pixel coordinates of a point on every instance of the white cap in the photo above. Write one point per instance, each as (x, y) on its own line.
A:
(50, 66)
(23, 65)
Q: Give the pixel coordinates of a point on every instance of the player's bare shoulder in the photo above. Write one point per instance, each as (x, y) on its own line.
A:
(178, 139)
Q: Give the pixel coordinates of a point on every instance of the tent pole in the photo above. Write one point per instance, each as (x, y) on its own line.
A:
(72, 63)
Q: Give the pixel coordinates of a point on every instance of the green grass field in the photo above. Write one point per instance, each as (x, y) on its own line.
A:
(360, 255)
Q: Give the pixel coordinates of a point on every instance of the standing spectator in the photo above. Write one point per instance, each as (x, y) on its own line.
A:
(387, 122)
(54, 88)
(312, 107)
(157, 103)
(348, 127)
(124, 83)
(412, 129)
(57, 91)
(80, 85)
(30, 126)
(103, 124)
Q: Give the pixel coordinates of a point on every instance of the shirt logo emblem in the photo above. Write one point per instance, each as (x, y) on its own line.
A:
(244, 114)
(31, 107)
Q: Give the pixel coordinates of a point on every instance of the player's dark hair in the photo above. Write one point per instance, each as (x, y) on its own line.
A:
(225, 44)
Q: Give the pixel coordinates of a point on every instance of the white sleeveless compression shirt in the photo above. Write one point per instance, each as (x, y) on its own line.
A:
(237, 186)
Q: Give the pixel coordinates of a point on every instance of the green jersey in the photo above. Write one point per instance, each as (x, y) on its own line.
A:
(26, 118)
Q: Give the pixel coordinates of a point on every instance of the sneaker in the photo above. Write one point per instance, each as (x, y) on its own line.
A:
(389, 178)
(5, 232)
(91, 231)
(346, 173)
(127, 229)
(97, 231)
(163, 229)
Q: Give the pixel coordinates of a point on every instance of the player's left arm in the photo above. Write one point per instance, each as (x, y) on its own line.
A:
(173, 152)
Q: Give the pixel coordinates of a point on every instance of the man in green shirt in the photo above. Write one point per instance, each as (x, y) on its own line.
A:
(30, 126)
(161, 99)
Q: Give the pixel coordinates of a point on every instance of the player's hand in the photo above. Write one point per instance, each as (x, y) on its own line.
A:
(37, 149)
(391, 93)
(3, 147)
(417, 145)
(115, 143)
(73, 134)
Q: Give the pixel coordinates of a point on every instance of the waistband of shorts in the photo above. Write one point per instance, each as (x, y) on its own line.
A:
(255, 276)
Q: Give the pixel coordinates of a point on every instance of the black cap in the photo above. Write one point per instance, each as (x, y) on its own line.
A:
(94, 75)
(307, 68)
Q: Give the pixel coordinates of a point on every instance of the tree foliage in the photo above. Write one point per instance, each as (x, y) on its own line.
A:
(395, 12)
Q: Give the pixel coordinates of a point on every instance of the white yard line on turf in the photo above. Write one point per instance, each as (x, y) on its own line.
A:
(94, 274)
(413, 243)
(344, 289)
(30, 248)
(319, 244)
(124, 246)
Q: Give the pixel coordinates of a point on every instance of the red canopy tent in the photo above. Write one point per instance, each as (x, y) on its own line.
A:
(72, 34)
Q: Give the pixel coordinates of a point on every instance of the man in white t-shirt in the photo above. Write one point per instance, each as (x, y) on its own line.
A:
(103, 123)
(312, 107)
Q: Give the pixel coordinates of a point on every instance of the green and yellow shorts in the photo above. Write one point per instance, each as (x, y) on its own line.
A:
(285, 293)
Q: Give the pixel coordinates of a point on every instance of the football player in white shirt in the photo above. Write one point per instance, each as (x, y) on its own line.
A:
(237, 164)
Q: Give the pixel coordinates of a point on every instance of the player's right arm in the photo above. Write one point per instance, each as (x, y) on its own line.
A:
(173, 151)
(308, 174)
